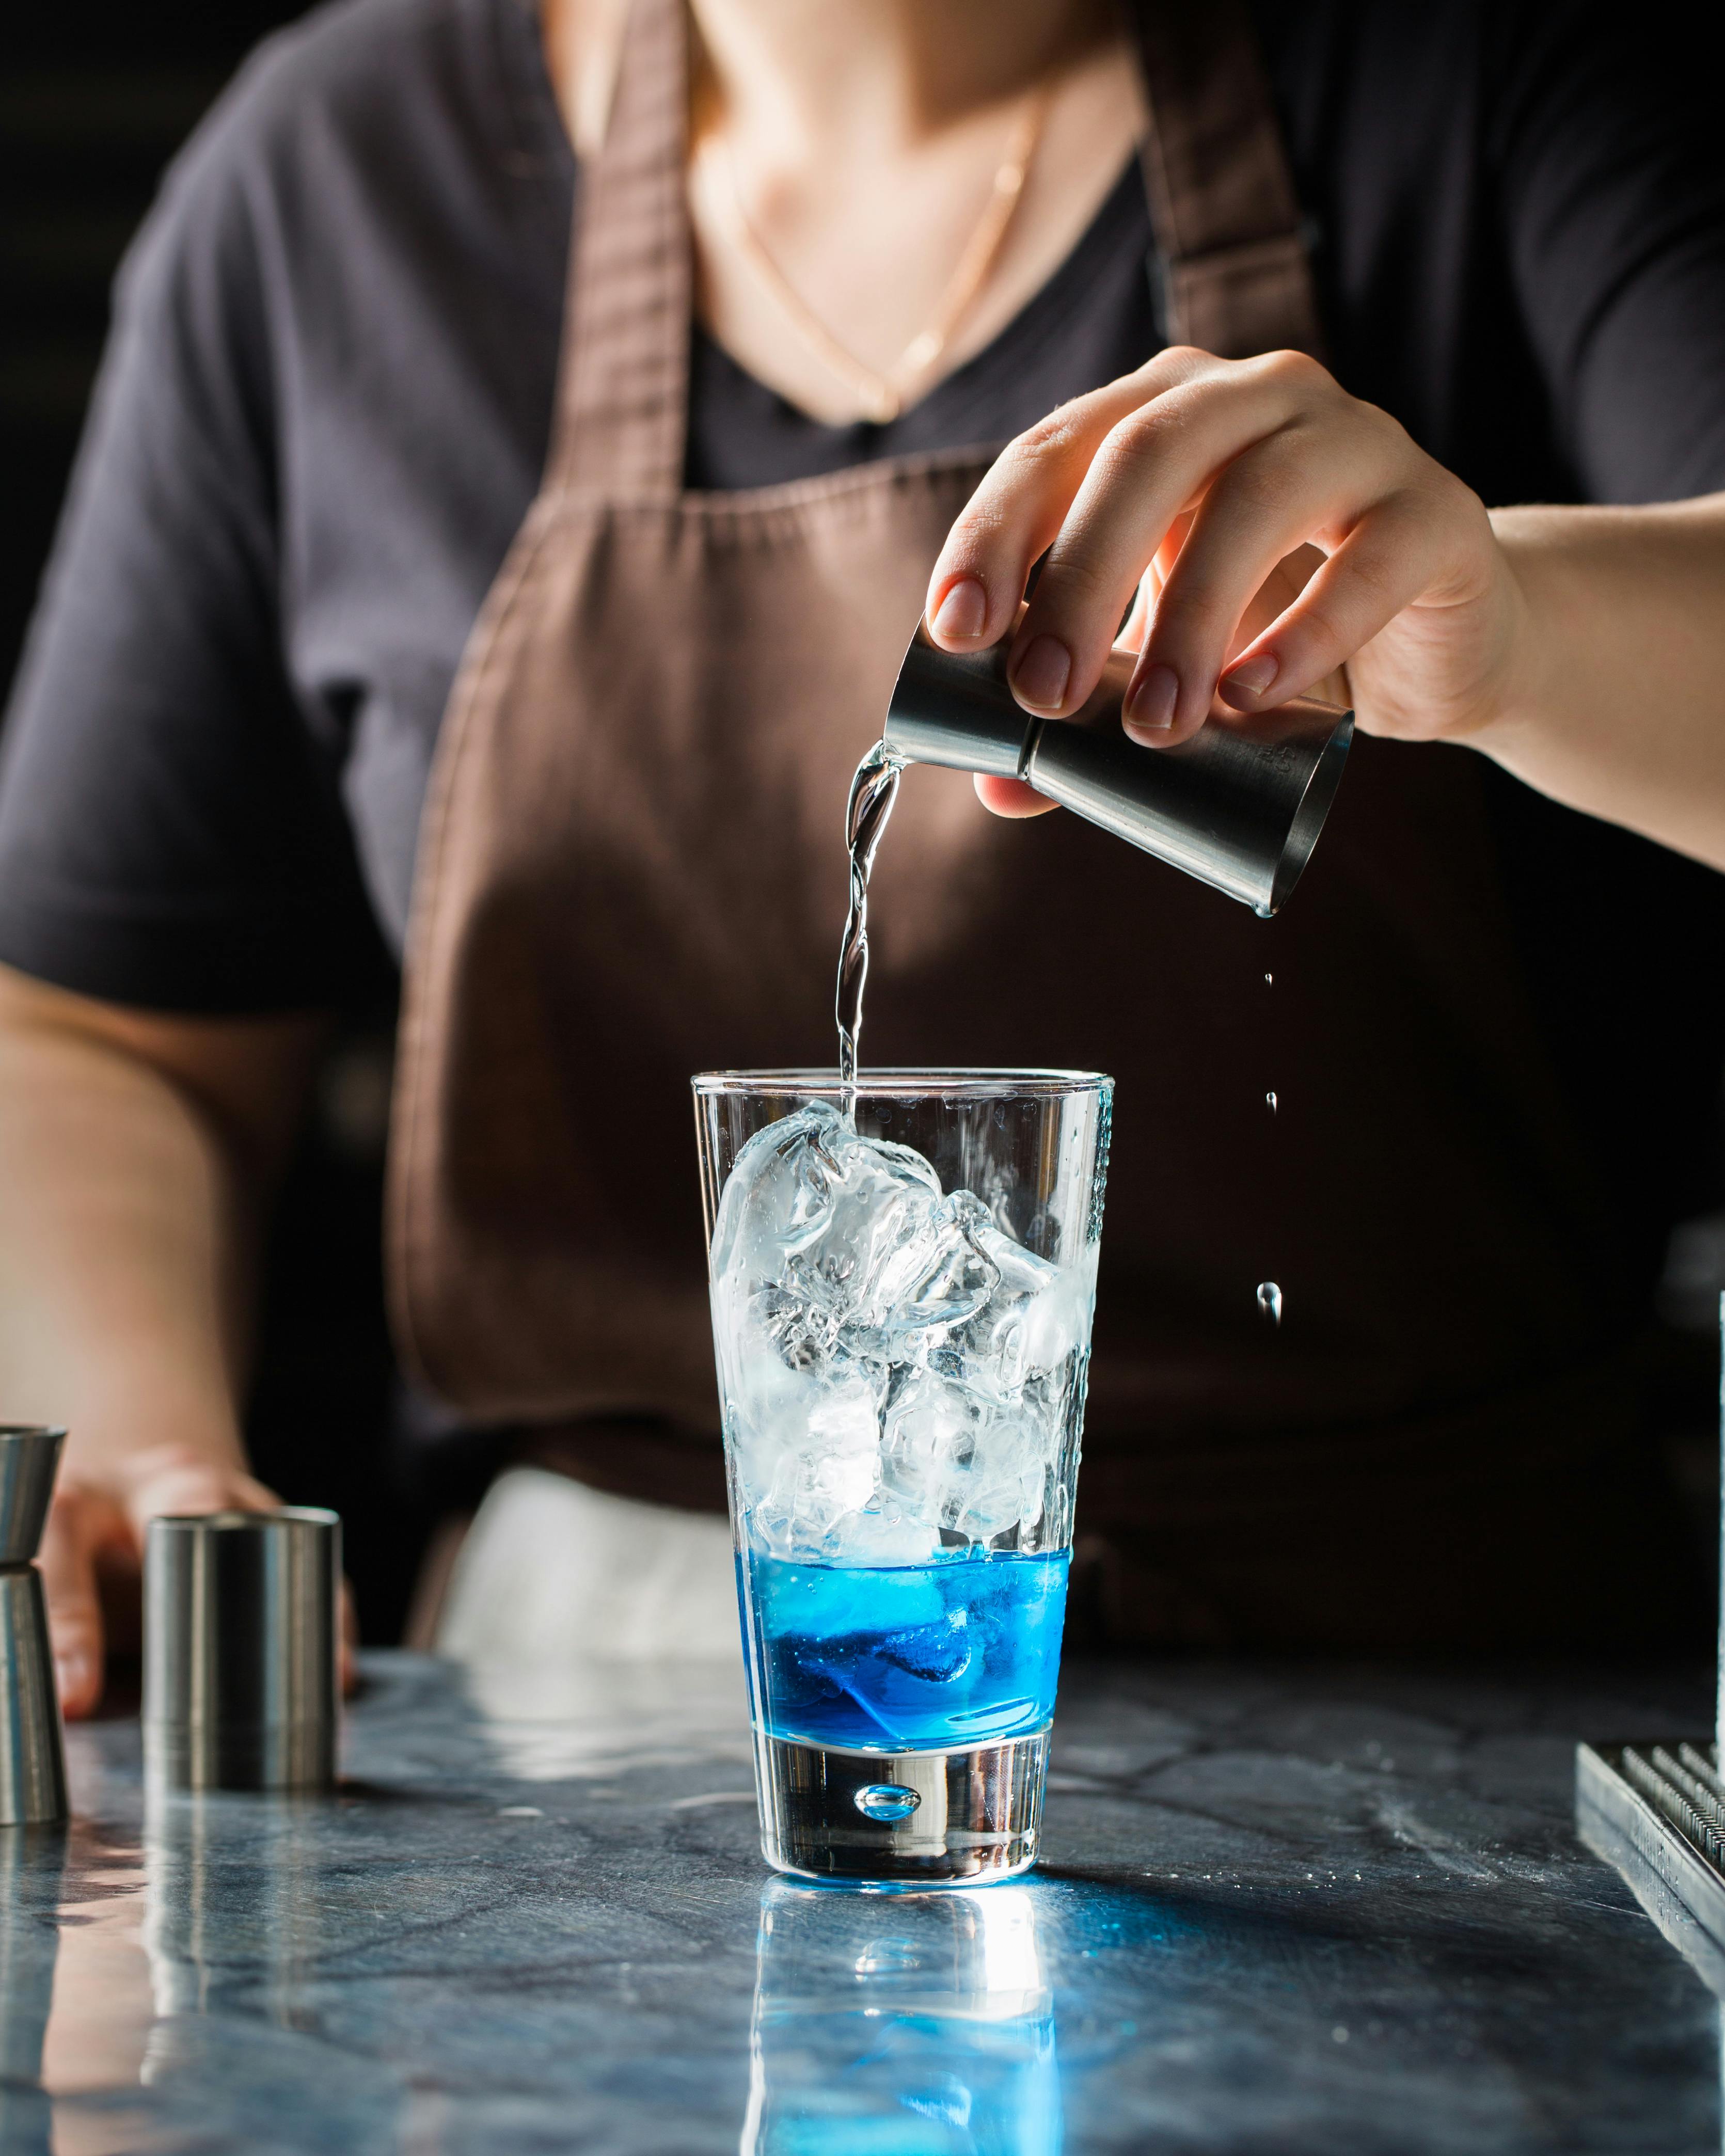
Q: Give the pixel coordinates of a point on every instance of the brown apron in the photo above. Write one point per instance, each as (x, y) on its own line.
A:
(630, 869)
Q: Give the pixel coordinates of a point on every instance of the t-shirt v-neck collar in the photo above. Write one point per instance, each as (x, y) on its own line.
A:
(969, 406)
(1018, 343)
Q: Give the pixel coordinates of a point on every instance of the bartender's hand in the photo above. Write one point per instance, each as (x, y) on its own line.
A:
(1267, 529)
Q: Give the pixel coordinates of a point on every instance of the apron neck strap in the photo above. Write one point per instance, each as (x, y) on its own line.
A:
(1233, 266)
(1232, 258)
(624, 378)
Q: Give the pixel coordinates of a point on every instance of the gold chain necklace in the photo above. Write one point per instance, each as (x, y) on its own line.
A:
(883, 397)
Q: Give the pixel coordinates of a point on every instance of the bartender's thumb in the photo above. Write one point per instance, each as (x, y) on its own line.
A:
(79, 1521)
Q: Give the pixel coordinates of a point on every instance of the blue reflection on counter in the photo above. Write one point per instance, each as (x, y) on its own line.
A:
(918, 2025)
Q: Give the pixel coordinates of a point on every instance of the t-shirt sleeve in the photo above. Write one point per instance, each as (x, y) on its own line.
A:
(1603, 141)
(171, 829)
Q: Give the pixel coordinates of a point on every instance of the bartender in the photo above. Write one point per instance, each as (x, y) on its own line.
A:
(524, 444)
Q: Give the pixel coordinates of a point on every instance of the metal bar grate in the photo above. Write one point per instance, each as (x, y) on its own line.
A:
(1657, 1813)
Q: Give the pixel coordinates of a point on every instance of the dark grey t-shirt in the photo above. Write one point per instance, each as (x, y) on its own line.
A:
(328, 395)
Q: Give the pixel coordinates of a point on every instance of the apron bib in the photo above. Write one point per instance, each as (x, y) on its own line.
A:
(631, 869)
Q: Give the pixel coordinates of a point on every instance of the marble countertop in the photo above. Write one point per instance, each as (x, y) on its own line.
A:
(1326, 1910)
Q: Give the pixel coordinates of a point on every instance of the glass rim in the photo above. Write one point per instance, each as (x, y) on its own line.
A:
(980, 1081)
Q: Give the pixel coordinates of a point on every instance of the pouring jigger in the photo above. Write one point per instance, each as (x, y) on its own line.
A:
(1240, 805)
(33, 1763)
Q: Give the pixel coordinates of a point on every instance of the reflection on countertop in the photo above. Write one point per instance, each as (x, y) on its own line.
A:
(1279, 1911)
(933, 2027)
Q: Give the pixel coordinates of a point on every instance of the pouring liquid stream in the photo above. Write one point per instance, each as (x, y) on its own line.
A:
(873, 791)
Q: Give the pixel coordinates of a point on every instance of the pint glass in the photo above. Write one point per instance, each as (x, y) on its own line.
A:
(902, 1288)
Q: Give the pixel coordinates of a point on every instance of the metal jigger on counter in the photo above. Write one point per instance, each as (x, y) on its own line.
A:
(1239, 806)
(1657, 1813)
(32, 1767)
(240, 1632)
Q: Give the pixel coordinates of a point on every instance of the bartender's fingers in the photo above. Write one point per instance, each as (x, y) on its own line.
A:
(1428, 545)
(174, 1479)
(1095, 491)
(1319, 483)
(1011, 797)
(81, 1522)
(1268, 452)
(1012, 518)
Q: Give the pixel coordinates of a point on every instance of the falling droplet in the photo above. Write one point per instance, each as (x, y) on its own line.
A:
(1269, 1301)
(1270, 1099)
(1268, 978)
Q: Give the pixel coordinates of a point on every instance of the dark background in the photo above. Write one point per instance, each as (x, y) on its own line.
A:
(94, 102)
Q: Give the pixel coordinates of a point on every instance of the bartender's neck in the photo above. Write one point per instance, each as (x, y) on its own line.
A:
(821, 78)
(815, 78)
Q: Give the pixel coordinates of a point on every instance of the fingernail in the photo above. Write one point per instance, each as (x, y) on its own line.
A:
(69, 1675)
(1040, 677)
(963, 613)
(1254, 676)
(1150, 704)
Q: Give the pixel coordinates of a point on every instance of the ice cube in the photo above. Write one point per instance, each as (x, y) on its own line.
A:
(939, 1652)
(1021, 1272)
(929, 1437)
(807, 1460)
(896, 1367)
(959, 1463)
(988, 1353)
(1057, 1319)
(934, 1279)
(809, 1199)
(1006, 1491)
(879, 1534)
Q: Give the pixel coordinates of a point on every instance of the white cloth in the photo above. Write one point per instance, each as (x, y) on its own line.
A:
(553, 1570)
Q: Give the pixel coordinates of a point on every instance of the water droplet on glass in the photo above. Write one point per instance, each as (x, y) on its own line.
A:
(1270, 1099)
(1269, 1301)
(887, 1801)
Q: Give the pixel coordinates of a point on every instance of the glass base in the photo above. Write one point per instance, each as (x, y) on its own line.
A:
(902, 1820)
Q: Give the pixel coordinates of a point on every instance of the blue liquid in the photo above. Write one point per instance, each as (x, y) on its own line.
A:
(915, 1658)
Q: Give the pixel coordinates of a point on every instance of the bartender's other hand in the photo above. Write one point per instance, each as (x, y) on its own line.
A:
(92, 1556)
(1267, 531)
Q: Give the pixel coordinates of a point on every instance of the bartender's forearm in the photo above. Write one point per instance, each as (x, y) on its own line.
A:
(1620, 706)
(120, 1308)
(134, 1152)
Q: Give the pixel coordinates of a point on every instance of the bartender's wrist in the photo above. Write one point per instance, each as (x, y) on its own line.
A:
(1534, 686)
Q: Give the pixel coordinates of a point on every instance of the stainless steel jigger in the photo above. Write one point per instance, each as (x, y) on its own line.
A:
(33, 1766)
(1240, 805)
(240, 1650)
